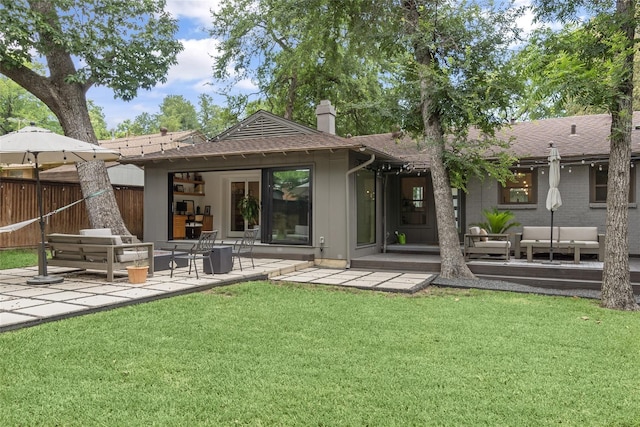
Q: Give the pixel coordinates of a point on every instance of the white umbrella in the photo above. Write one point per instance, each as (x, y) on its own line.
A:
(554, 201)
(41, 146)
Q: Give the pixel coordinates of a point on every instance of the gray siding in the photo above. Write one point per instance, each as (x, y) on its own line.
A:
(575, 210)
(328, 203)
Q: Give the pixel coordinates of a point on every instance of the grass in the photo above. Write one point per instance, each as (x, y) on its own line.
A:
(15, 258)
(262, 354)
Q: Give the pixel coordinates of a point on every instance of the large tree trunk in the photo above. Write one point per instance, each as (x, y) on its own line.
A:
(67, 100)
(616, 283)
(452, 263)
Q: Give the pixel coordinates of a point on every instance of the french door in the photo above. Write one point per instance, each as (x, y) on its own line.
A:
(238, 189)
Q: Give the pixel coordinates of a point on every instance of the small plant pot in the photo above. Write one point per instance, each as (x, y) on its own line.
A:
(138, 274)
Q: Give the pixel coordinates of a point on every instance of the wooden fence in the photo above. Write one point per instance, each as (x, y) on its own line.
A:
(18, 203)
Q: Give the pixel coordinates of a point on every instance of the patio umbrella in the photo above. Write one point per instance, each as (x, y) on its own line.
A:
(41, 146)
(554, 201)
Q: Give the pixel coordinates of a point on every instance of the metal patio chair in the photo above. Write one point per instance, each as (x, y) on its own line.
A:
(244, 247)
(200, 250)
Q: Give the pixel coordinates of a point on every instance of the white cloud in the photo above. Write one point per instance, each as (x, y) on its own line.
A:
(199, 10)
(195, 62)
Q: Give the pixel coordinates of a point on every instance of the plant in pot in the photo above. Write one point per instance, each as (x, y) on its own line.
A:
(496, 221)
(139, 270)
(249, 208)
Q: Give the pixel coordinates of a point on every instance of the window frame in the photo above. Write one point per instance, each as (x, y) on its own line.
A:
(503, 190)
(595, 170)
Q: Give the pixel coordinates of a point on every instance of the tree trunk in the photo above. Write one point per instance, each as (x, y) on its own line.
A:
(100, 201)
(616, 282)
(67, 100)
(452, 263)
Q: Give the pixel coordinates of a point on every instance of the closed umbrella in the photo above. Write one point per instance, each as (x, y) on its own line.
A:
(41, 146)
(554, 201)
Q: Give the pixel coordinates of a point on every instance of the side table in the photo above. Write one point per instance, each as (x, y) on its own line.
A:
(221, 258)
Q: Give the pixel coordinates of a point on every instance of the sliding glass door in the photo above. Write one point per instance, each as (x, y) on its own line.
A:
(287, 205)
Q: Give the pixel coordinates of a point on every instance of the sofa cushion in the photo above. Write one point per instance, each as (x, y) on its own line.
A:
(474, 230)
(493, 244)
(95, 232)
(579, 234)
(483, 232)
(539, 233)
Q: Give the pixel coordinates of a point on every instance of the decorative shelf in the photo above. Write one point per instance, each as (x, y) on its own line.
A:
(188, 187)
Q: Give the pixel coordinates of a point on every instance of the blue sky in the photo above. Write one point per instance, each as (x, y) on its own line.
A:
(193, 73)
(189, 78)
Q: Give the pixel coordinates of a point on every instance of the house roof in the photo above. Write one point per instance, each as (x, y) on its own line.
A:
(260, 134)
(577, 137)
(588, 139)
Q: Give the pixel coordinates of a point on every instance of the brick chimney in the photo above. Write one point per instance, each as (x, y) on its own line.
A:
(326, 115)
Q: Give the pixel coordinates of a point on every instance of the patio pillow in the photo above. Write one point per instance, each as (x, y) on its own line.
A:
(474, 230)
(483, 232)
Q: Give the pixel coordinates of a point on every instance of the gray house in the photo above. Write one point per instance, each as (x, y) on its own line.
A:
(583, 143)
(333, 199)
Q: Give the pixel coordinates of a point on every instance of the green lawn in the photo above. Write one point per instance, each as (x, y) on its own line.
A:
(264, 354)
(16, 258)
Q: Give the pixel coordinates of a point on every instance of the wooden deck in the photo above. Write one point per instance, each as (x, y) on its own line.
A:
(562, 274)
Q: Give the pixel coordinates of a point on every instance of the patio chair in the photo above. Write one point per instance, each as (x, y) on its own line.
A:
(245, 246)
(200, 250)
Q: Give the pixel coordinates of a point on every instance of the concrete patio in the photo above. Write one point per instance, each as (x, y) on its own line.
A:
(85, 292)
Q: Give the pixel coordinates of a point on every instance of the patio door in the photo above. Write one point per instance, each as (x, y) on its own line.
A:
(238, 189)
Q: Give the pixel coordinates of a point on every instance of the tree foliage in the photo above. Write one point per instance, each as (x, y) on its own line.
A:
(592, 63)
(299, 53)
(122, 45)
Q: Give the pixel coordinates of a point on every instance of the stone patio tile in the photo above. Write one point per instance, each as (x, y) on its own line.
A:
(383, 275)
(64, 296)
(417, 275)
(169, 287)
(352, 273)
(330, 280)
(19, 303)
(360, 283)
(104, 289)
(398, 285)
(32, 292)
(300, 279)
(4, 288)
(6, 297)
(135, 293)
(51, 309)
(69, 285)
(7, 319)
(99, 300)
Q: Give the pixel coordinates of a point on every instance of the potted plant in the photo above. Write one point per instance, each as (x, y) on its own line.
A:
(138, 271)
(497, 222)
(249, 207)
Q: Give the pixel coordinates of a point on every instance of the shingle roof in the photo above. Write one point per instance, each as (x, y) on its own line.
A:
(264, 133)
(591, 137)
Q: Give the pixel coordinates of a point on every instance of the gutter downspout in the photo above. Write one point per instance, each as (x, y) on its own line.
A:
(348, 200)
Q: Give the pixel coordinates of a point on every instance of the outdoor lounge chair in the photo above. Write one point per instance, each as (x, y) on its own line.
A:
(244, 247)
(200, 250)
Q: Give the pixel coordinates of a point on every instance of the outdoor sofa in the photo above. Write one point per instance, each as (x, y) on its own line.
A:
(478, 243)
(97, 249)
(566, 240)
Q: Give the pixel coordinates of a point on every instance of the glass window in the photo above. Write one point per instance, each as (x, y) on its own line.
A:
(521, 189)
(599, 181)
(289, 206)
(366, 206)
(414, 208)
